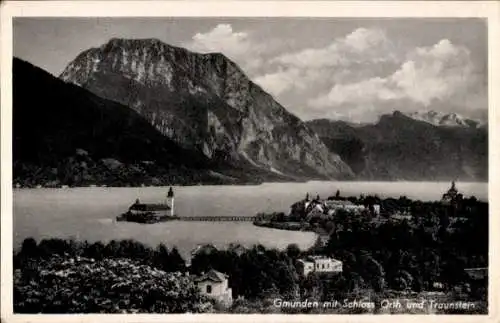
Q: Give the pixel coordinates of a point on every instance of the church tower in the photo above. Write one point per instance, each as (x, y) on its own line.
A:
(451, 195)
(170, 200)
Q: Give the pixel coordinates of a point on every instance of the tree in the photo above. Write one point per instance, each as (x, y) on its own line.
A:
(95, 251)
(318, 246)
(29, 248)
(161, 257)
(293, 251)
(177, 263)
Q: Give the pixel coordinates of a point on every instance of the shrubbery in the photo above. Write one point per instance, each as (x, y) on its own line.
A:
(83, 285)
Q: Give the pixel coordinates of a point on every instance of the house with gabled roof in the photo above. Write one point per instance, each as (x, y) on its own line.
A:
(214, 284)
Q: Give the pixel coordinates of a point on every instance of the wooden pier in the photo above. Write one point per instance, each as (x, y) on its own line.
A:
(217, 218)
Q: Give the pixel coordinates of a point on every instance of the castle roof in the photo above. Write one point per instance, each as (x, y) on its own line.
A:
(149, 207)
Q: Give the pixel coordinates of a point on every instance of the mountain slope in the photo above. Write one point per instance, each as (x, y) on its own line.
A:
(205, 102)
(63, 134)
(401, 148)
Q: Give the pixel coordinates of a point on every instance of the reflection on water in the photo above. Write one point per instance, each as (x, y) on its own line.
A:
(88, 213)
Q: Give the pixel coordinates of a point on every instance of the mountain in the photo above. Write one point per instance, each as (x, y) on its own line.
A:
(399, 147)
(445, 119)
(204, 102)
(65, 135)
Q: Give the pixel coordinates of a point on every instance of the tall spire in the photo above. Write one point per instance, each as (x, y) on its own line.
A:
(453, 188)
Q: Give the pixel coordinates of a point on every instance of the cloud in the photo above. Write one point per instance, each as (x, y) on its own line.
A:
(300, 70)
(442, 72)
(359, 46)
(357, 76)
(238, 46)
(285, 79)
(278, 82)
(436, 72)
(338, 60)
(360, 92)
(221, 39)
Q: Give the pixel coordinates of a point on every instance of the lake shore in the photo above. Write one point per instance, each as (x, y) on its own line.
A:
(256, 183)
(89, 213)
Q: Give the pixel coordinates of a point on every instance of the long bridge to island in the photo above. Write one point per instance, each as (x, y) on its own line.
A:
(217, 218)
(162, 212)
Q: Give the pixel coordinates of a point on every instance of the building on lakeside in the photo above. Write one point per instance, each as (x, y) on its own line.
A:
(157, 209)
(318, 207)
(401, 216)
(335, 205)
(318, 264)
(215, 284)
(150, 212)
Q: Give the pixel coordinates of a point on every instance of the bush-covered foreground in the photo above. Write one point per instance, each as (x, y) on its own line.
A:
(84, 285)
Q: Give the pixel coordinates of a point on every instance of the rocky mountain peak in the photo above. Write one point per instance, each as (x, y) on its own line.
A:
(204, 102)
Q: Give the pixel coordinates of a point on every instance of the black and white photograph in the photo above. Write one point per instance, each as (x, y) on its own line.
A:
(249, 165)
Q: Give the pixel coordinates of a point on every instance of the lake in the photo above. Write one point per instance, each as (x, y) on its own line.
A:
(89, 213)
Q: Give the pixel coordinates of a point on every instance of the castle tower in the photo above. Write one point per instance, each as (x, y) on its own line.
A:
(170, 200)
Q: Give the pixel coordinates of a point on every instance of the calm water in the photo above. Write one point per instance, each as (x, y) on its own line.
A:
(88, 213)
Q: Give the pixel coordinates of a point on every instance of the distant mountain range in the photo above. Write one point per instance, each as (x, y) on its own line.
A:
(446, 119)
(398, 147)
(135, 112)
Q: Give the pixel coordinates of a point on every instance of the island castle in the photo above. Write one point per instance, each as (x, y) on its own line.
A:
(150, 212)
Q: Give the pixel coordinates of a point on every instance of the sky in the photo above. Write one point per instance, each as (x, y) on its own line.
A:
(336, 68)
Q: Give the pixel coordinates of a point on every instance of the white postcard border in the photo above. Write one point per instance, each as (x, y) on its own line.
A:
(347, 9)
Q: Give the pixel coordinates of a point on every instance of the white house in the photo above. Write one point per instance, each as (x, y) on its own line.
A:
(319, 264)
(215, 284)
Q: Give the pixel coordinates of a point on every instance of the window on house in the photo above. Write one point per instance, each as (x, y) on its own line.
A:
(209, 289)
